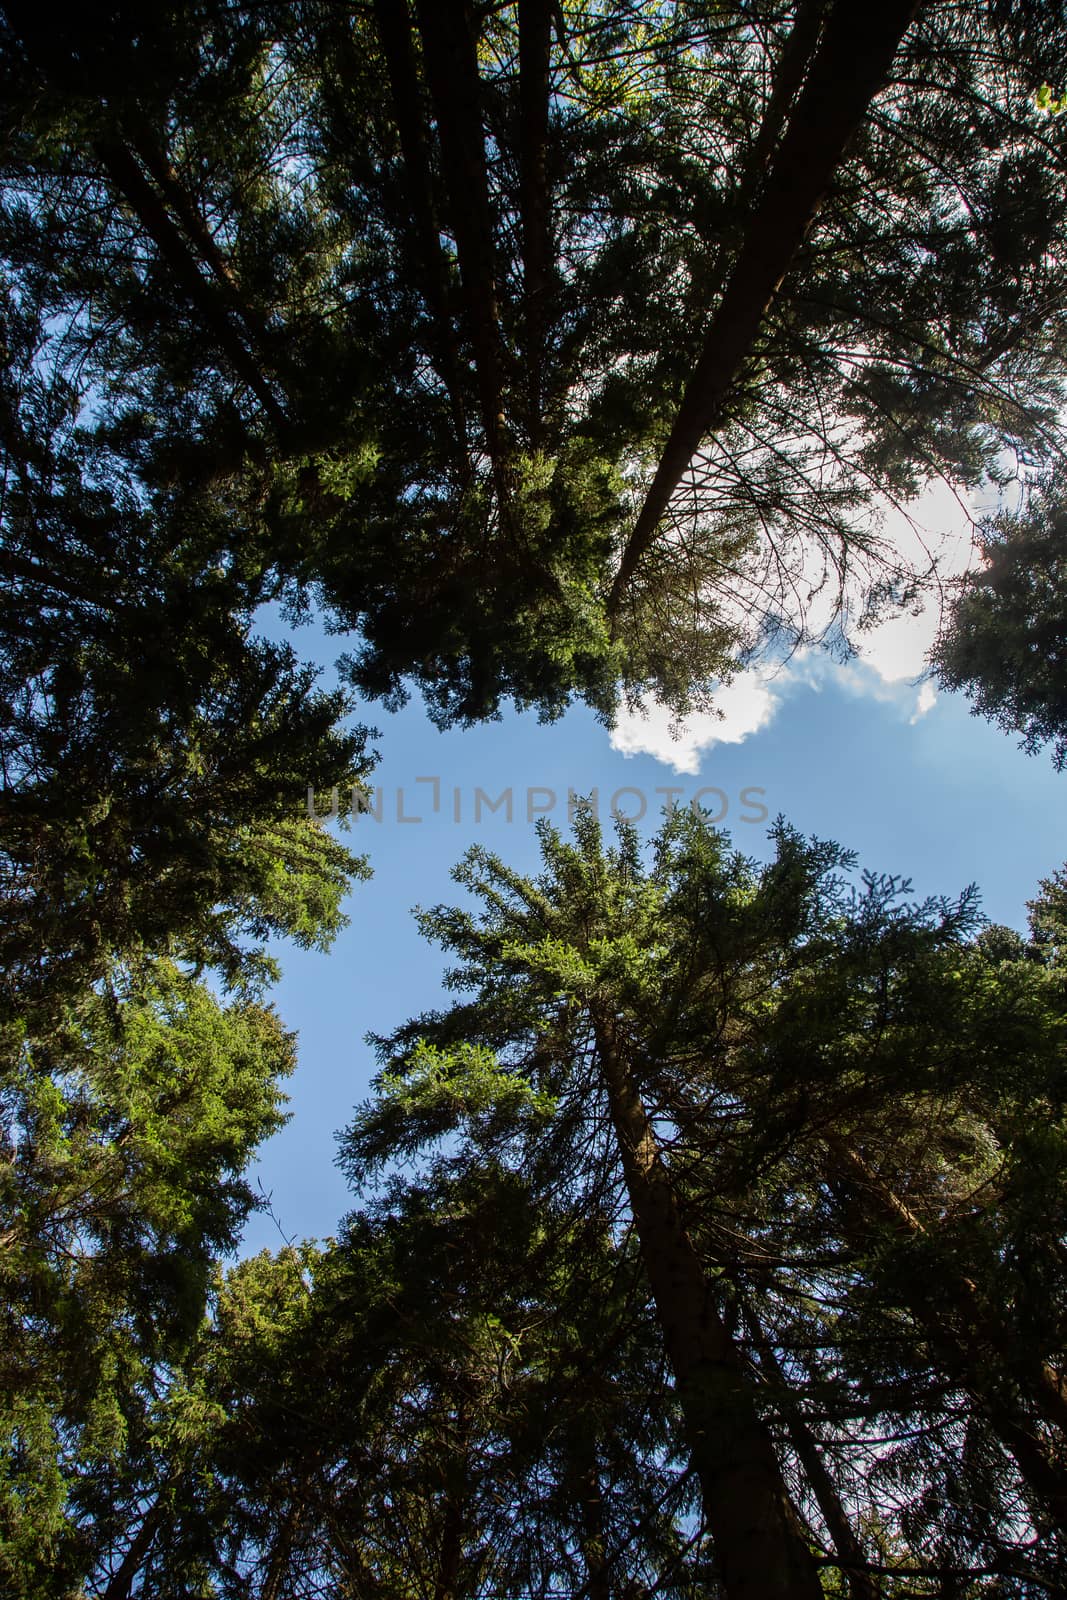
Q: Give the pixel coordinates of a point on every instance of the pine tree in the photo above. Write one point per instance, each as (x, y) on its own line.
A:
(1005, 638)
(815, 1107)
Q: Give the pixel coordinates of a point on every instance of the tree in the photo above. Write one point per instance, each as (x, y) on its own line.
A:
(798, 1144)
(815, 1108)
(125, 1139)
(554, 349)
(1005, 639)
(404, 1410)
(154, 755)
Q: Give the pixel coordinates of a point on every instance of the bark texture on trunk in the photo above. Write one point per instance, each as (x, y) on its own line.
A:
(761, 1548)
(792, 67)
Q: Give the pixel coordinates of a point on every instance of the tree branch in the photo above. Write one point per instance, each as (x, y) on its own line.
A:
(849, 66)
(535, 40)
(451, 61)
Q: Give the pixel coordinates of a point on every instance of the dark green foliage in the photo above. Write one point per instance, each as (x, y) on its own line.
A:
(432, 342)
(1005, 640)
(430, 1403)
(395, 309)
(862, 1106)
(154, 755)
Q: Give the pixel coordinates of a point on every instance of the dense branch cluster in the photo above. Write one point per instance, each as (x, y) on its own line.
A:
(558, 350)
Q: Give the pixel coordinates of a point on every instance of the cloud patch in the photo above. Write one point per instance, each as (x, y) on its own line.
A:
(890, 666)
(747, 705)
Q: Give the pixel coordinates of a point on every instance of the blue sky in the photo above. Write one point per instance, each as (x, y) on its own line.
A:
(861, 754)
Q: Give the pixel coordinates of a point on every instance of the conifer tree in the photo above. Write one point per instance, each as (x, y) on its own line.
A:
(154, 754)
(434, 1402)
(1005, 637)
(126, 1135)
(814, 1106)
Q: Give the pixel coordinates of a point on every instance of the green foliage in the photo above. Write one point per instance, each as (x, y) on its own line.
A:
(814, 1049)
(1005, 642)
(421, 1402)
(435, 404)
(442, 1091)
(1045, 100)
(127, 1131)
(293, 315)
(155, 754)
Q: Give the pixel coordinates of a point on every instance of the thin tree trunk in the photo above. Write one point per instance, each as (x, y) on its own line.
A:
(125, 173)
(282, 1552)
(979, 1331)
(1042, 1382)
(583, 1484)
(760, 1545)
(451, 61)
(853, 57)
(447, 1585)
(121, 1581)
(535, 41)
(394, 30)
(851, 1557)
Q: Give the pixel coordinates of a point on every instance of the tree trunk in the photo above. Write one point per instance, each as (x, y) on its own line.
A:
(121, 1581)
(792, 65)
(761, 1548)
(447, 1585)
(394, 30)
(535, 40)
(853, 57)
(451, 61)
(158, 165)
(281, 1552)
(583, 1484)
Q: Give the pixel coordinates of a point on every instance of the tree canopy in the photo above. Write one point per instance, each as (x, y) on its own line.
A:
(710, 1243)
(816, 1111)
(1005, 639)
(557, 349)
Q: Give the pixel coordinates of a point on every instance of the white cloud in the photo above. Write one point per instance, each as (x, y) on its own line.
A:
(890, 666)
(938, 525)
(926, 701)
(747, 705)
